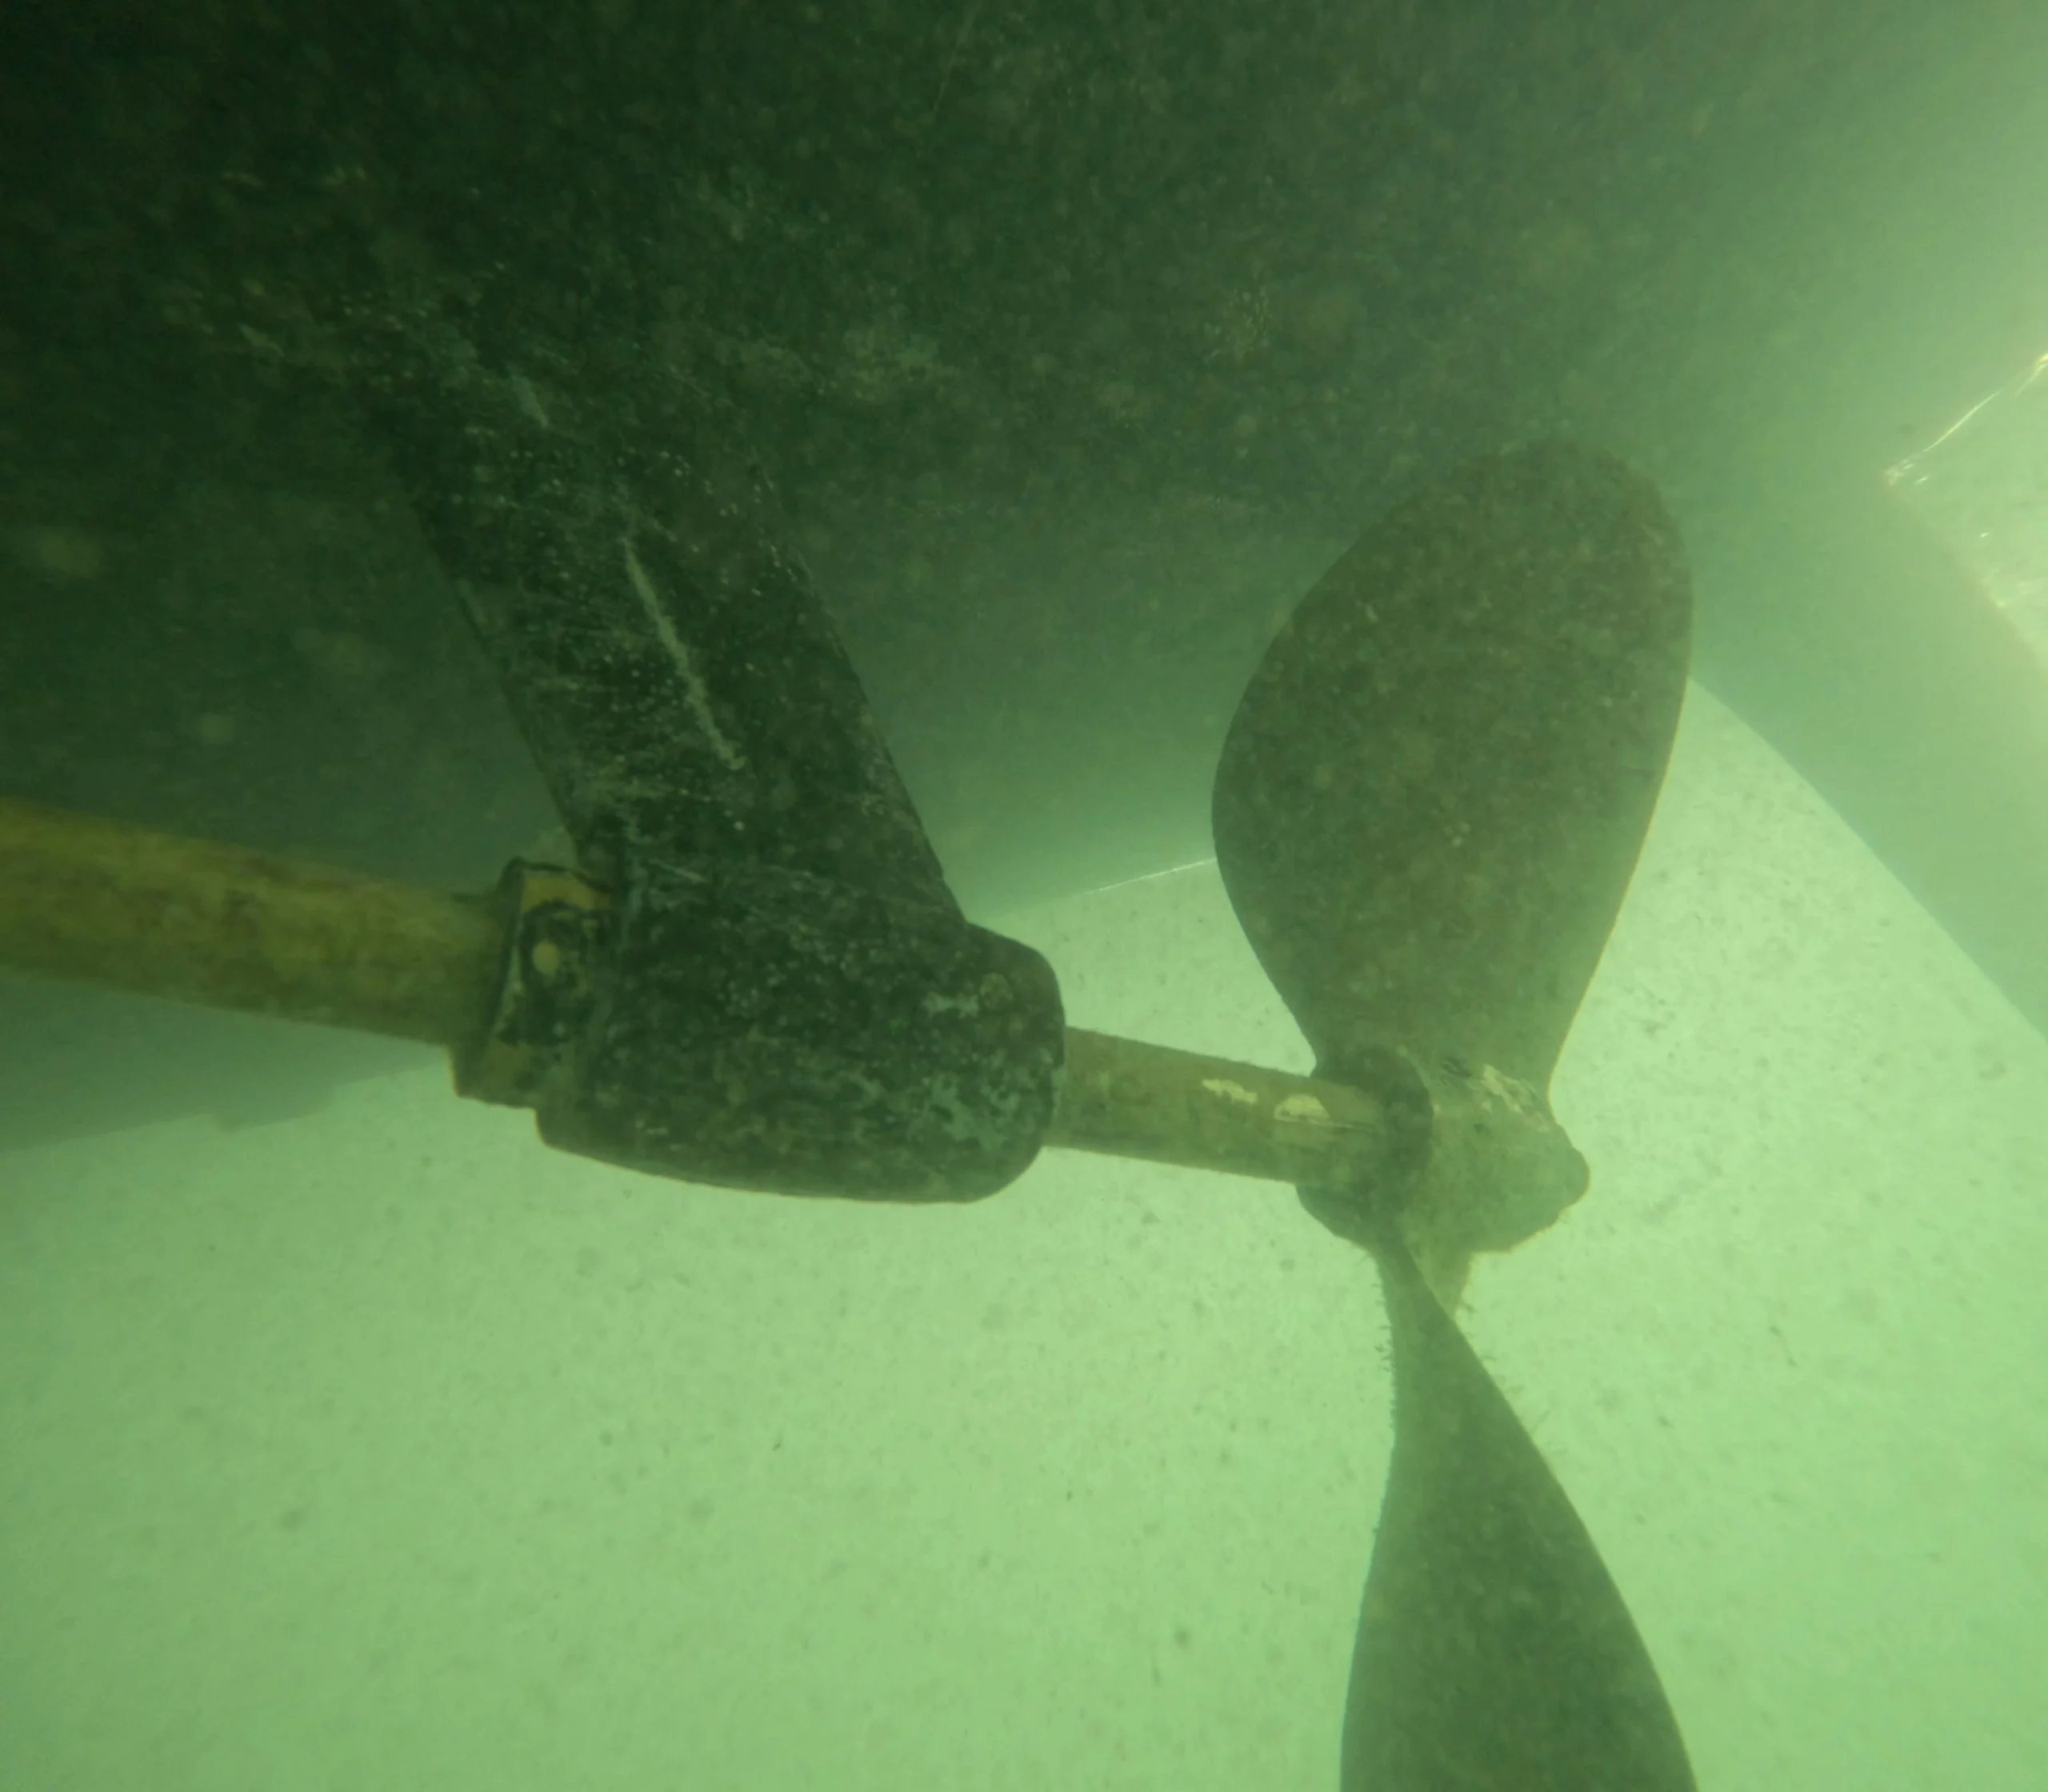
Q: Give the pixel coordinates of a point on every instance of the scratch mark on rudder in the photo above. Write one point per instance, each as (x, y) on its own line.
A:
(677, 649)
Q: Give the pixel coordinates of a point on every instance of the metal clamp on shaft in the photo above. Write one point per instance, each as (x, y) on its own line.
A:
(1500, 1170)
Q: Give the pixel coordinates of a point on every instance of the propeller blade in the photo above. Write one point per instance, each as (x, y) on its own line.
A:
(1494, 1653)
(1435, 786)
